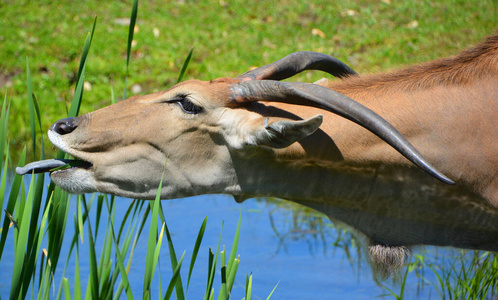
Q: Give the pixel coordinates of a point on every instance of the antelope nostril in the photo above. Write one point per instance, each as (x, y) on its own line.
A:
(65, 126)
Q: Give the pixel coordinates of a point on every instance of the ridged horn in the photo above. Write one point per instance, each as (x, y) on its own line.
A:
(321, 97)
(298, 62)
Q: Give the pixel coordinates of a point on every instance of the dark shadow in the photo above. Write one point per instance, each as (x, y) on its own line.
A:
(312, 144)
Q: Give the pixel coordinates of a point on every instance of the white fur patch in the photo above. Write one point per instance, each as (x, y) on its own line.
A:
(75, 180)
(58, 142)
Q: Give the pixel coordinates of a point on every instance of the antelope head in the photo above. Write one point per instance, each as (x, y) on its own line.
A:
(197, 133)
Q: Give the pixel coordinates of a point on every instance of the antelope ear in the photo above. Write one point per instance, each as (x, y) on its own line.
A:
(280, 133)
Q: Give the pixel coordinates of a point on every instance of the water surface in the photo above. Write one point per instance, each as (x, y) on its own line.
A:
(282, 244)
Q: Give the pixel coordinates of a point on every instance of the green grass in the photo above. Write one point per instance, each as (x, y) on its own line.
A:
(228, 37)
(467, 275)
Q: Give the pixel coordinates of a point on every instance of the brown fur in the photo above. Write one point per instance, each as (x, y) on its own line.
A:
(462, 69)
(449, 105)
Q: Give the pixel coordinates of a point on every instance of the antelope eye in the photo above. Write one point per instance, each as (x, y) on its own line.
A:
(186, 105)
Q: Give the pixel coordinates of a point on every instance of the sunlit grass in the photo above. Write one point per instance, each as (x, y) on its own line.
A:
(473, 276)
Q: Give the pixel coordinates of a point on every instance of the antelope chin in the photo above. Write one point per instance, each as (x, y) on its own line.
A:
(75, 180)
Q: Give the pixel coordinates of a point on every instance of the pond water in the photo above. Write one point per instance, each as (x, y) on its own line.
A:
(282, 244)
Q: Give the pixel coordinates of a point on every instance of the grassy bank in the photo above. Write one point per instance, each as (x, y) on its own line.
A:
(228, 37)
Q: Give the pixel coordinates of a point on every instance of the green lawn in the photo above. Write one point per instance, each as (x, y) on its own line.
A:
(228, 37)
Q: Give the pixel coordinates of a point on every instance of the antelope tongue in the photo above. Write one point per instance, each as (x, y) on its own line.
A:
(50, 164)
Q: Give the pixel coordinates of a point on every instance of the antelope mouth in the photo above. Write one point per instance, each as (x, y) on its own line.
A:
(53, 166)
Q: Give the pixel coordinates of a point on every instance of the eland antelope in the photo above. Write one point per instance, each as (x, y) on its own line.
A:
(257, 136)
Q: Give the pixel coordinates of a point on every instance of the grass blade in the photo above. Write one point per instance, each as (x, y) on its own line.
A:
(67, 290)
(31, 109)
(35, 212)
(158, 248)
(233, 273)
(59, 210)
(213, 258)
(269, 296)
(120, 263)
(235, 243)
(149, 258)
(197, 245)
(4, 122)
(3, 183)
(223, 289)
(94, 276)
(79, 215)
(78, 95)
(185, 65)
(11, 203)
(105, 263)
(35, 236)
(100, 204)
(38, 117)
(248, 287)
(138, 205)
(77, 281)
(174, 278)
(131, 30)
(21, 241)
(86, 49)
(172, 255)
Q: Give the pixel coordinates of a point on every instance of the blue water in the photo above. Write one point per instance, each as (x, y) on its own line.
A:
(273, 247)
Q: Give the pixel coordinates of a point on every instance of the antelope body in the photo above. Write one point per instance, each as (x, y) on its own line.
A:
(255, 136)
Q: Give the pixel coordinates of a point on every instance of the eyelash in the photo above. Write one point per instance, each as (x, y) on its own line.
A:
(186, 105)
